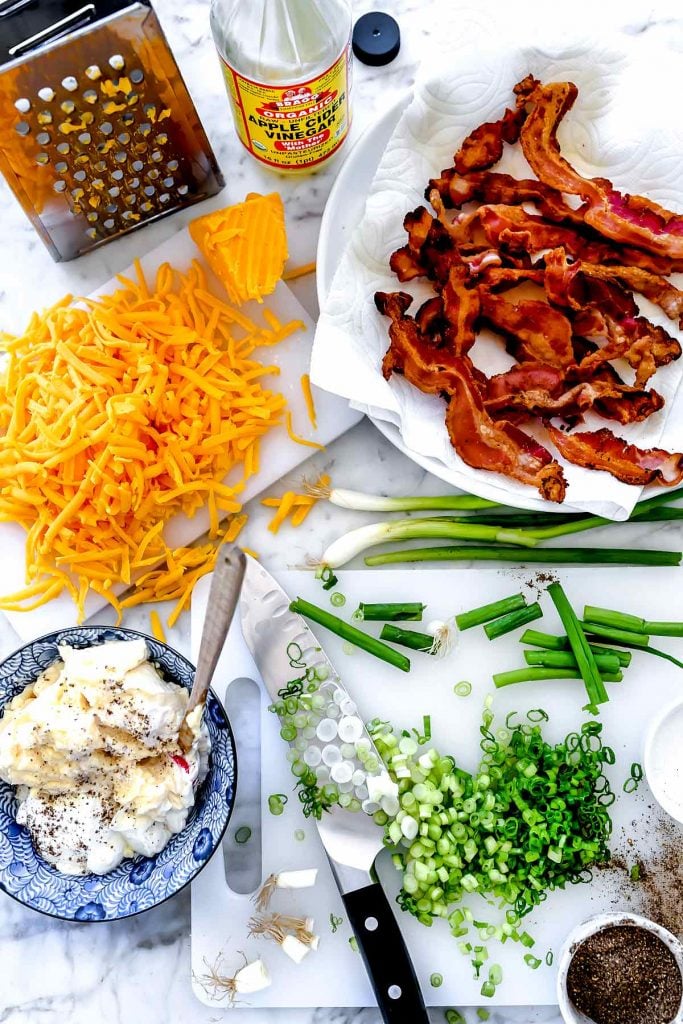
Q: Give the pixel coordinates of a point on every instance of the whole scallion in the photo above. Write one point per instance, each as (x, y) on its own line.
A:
(521, 556)
(361, 502)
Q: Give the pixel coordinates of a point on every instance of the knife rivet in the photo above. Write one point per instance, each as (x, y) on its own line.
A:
(394, 992)
(371, 924)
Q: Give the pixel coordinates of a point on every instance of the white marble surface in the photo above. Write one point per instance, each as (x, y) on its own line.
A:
(138, 971)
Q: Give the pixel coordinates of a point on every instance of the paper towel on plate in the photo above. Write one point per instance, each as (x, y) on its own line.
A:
(614, 130)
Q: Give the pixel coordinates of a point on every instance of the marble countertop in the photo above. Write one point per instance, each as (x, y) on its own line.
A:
(138, 970)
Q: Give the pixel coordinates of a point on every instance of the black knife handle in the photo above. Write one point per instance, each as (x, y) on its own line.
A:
(387, 961)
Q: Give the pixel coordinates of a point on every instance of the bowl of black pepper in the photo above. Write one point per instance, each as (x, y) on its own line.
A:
(621, 969)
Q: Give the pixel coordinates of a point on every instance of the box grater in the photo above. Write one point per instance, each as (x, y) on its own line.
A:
(98, 133)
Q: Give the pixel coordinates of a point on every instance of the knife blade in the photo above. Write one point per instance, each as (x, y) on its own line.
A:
(277, 637)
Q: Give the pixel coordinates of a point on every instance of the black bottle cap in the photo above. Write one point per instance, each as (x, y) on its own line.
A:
(376, 38)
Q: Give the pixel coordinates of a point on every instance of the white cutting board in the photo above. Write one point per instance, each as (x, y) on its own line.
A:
(279, 454)
(334, 976)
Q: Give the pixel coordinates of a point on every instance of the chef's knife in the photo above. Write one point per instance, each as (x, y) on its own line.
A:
(351, 839)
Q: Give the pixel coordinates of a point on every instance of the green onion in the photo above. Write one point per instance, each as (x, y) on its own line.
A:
(483, 1014)
(595, 688)
(521, 556)
(463, 688)
(549, 958)
(243, 835)
(488, 990)
(276, 803)
(356, 541)
(426, 734)
(299, 835)
(436, 980)
(560, 643)
(565, 659)
(531, 675)
(495, 974)
(640, 514)
(634, 873)
(337, 599)
(513, 620)
(638, 641)
(664, 628)
(349, 633)
(617, 620)
(408, 638)
(328, 578)
(353, 943)
(400, 611)
(454, 1017)
(477, 616)
(532, 961)
(335, 922)
(360, 502)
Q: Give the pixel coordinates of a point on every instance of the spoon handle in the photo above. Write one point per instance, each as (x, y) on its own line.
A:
(228, 575)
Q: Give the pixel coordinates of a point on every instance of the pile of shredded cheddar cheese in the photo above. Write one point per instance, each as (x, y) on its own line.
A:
(116, 416)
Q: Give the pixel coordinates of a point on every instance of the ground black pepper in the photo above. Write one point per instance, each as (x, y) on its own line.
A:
(625, 975)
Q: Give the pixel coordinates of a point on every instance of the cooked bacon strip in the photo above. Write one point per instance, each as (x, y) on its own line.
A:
(535, 331)
(461, 307)
(494, 187)
(484, 146)
(508, 277)
(601, 449)
(499, 447)
(629, 404)
(431, 249)
(652, 286)
(424, 365)
(631, 220)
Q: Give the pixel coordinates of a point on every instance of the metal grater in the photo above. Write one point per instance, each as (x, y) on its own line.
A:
(98, 133)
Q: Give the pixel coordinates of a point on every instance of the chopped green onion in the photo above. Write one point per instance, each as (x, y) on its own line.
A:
(488, 990)
(299, 835)
(335, 922)
(532, 961)
(276, 803)
(487, 612)
(617, 620)
(337, 599)
(664, 628)
(243, 835)
(634, 873)
(560, 643)
(565, 659)
(463, 688)
(513, 620)
(408, 638)
(637, 771)
(349, 633)
(527, 940)
(522, 556)
(495, 974)
(295, 654)
(436, 980)
(426, 734)
(400, 611)
(353, 943)
(454, 1017)
(531, 675)
(639, 642)
(483, 1014)
(595, 687)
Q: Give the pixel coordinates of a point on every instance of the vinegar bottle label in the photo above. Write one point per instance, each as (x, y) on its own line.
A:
(295, 126)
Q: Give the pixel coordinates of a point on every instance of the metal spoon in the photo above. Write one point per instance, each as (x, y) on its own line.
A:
(228, 575)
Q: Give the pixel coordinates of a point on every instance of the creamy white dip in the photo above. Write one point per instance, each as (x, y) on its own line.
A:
(92, 747)
(664, 762)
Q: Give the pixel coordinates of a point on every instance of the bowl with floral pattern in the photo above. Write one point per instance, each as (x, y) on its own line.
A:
(139, 883)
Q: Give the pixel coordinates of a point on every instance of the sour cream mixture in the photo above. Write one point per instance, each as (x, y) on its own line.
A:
(92, 746)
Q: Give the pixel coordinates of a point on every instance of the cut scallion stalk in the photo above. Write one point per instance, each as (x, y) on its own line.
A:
(616, 620)
(530, 675)
(595, 688)
(619, 636)
(350, 633)
(402, 611)
(521, 556)
(408, 638)
(566, 659)
(560, 643)
(664, 628)
(487, 612)
(513, 620)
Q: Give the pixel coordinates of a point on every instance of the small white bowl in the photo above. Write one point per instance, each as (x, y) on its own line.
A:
(570, 1015)
(651, 751)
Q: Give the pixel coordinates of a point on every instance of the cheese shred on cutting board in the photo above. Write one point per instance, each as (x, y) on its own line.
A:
(118, 414)
(245, 245)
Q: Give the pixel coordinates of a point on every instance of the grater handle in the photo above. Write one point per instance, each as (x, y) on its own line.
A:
(58, 29)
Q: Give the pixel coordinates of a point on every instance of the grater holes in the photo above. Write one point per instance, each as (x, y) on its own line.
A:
(128, 215)
(127, 118)
(115, 191)
(161, 139)
(183, 190)
(146, 207)
(63, 148)
(111, 208)
(117, 175)
(172, 165)
(87, 117)
(24, 128)
(120, 156)
(44, 117)
(156, 156)
(46, 94)
(85, 138)
(149, 110)
(164, 197)
(132, 99)
(109, 223)
(80, 176)
(117, 62)
(59, 186)
(43, 138)
(93, 72)
(168, 182)
(61, 167)
(106, 127)
(100, 167)
(77, 193)
(149, 190)
(42, 159)
(82, 158)
(91, 233)
(90, 96)
(123, 138)
(136, 76)
(144, 128)
(69, 83)
(92, 217)
(134, 183)
(153, 174)
(131, 199)
(23, 105)
(137, 166)
(98, 184)
(68, 106)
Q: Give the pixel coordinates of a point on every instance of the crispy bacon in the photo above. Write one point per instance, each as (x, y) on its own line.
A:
(601, 449)
(534, 330)
(494, 187)
(484, 146)
(499, 447)
(652, 286)
(461, 307)
(631, 220)
(500, 278)
(628, 404)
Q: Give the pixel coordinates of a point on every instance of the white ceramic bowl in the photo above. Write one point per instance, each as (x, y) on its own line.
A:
(570, 1015)
(650, 758)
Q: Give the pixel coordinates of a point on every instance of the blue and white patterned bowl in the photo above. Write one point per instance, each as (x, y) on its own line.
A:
(136, 884)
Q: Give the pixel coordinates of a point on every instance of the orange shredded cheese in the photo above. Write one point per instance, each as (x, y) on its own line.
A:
(300, 440)
(245, 245)
(294, 506)
(292, 273)
(156, 626)
(310, 401)
(116, 416)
